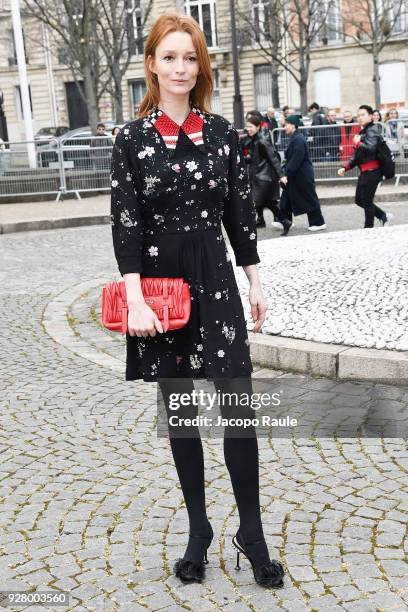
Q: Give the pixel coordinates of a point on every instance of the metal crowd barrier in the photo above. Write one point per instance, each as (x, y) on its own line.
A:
(82, 164)
(75, 166)
(332, 145)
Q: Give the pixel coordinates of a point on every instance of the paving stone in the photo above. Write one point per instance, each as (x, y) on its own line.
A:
(90, 491)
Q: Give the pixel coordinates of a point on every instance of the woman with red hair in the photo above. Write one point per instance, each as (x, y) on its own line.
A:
(178, 173)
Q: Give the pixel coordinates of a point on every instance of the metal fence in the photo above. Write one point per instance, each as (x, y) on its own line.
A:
(332, 145)
(82, 164)
(56, 167)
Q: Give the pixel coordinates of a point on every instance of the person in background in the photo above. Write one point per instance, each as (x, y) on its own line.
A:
(246, 139)
(299, 195)
(264, 172)
(101, 148)
(347, 132)
(317, 148)
(283, 140)
(115, 131)
(365, 157)
(377, 117)
(394, 132)
(271, 119)
(332, 137)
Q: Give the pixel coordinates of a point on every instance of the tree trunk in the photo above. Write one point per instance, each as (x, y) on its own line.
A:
(117, 76)
(92, 106)
(275, 85)
(376, 78)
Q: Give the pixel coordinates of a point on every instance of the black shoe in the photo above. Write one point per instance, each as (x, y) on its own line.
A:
(286, 227)
(268, 575)
(260, 223)
(191, 570)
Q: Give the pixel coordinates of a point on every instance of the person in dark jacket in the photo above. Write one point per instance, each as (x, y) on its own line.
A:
(365, 157)
(299, 196)
(318, 116)
(265, 171)
(332, 137)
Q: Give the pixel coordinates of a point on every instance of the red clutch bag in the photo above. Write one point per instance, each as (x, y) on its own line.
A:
(168, 297)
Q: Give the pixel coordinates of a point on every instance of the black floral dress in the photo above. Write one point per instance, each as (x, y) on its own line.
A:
(167, 207)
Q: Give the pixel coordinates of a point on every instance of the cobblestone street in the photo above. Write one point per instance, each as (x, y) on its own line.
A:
(90, 501)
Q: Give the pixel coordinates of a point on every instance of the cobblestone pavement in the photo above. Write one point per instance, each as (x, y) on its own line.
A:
(90, 501)
(347, 287)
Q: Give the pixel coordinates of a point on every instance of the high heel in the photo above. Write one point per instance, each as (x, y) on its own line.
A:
(269, 575)
(286, 227)
(193, 571)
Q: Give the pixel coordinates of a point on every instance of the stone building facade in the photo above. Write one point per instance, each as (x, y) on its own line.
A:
(340, 73)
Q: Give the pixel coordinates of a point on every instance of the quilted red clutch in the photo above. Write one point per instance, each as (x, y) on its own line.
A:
(168, 297)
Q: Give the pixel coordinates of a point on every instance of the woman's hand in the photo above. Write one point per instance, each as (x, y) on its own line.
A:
(341, 171)
(142, 320)
(284, 180)
(356, 139)
(259, 306)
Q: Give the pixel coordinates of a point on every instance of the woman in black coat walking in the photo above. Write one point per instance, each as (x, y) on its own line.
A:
(265, 171)
(299, 196)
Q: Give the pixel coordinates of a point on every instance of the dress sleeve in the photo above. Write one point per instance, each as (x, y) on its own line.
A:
(126, 217)
(239, 217)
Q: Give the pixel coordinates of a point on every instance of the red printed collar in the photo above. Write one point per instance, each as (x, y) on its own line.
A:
(169, 129)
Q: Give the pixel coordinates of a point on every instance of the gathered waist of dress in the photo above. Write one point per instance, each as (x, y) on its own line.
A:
(183, 230)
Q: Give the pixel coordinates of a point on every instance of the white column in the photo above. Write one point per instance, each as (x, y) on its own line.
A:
(50, 76)
(22, 71)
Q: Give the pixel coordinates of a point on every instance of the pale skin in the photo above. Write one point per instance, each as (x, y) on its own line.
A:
(363, 118)
(176, 65)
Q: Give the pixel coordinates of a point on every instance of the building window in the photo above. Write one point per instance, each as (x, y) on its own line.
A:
(399, 16)
(216, 99)
(137, 90)
(263, 86)
(261, 19)
(204, 12)
(12, 55)
(328, 87)
(135, 27)
(392, 82)
(329, 23)
(19, 102)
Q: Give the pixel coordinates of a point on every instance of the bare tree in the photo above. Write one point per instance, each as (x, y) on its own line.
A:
(371, 24)
(72, 24)
(288, 32)
(120, 35)
(96, 40)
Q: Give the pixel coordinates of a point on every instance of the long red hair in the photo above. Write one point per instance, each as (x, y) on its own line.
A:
(173, 21)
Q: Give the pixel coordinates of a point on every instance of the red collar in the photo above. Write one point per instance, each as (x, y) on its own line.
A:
(169, 129)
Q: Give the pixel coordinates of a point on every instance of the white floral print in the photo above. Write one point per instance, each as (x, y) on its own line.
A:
(125, 219)
(160, 228)
(146, 151)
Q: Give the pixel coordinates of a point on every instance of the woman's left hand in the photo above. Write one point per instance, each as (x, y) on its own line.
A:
(284, 180)
(259, 306)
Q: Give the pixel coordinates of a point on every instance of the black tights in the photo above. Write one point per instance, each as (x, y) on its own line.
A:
(241, 459)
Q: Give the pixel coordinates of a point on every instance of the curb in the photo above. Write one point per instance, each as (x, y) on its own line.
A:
(385, 198)
(47, 224)
(330, 360)
(65, 222)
